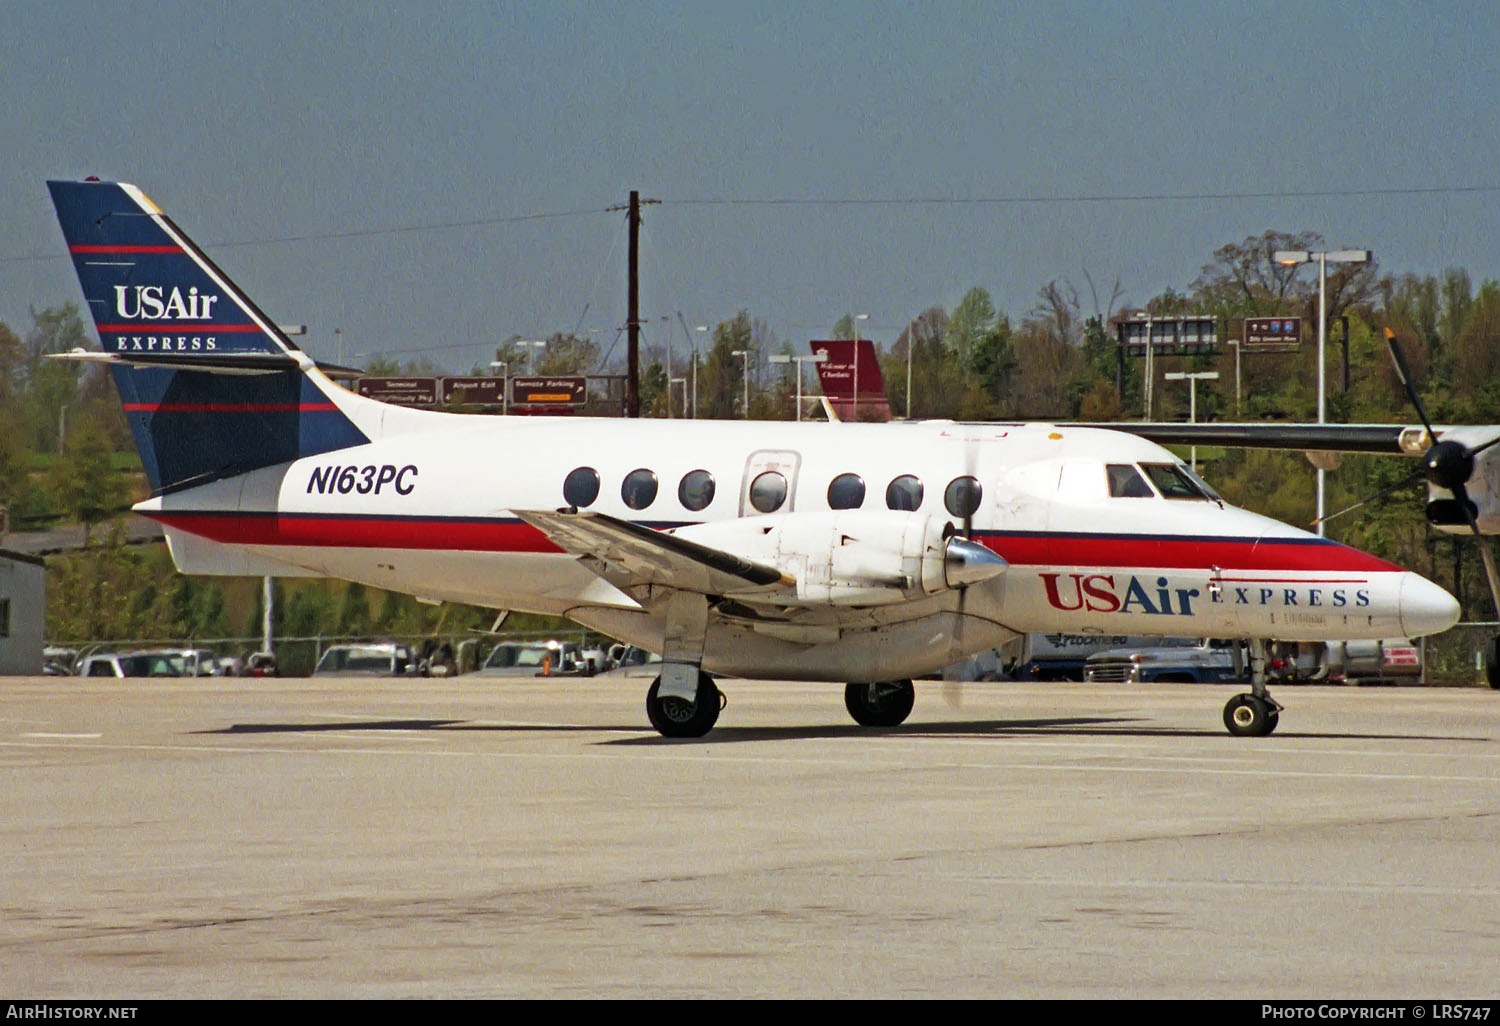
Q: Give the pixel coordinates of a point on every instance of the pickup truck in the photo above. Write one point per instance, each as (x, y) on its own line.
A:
(1169, 660)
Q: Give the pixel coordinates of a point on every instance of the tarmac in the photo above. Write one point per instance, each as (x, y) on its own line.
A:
(470, 838)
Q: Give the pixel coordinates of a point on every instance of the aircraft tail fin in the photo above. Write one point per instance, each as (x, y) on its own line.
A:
(211, 386)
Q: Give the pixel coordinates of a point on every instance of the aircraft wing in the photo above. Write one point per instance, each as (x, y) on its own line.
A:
(1387, 439)
(628, 554)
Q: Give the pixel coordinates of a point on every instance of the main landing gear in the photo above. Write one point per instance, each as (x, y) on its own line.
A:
(880, 704)
(1257, 713)
(675, 717)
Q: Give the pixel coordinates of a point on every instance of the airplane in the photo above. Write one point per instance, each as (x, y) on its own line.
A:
(861, 554)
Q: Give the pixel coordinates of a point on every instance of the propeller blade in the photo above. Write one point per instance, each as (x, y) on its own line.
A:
(1404, 373)
(1462, 495)
(1409, 479)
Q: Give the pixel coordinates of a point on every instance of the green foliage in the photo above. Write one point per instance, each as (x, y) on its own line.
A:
(84, 482)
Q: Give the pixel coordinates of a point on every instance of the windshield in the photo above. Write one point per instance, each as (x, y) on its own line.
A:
(355, 659)
(153, 664)
(506, 656)
(1173, 481)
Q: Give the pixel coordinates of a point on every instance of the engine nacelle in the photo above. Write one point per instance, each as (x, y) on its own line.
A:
(1483, 486)
(854, 557)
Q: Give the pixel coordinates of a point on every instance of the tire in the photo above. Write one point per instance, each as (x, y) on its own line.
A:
(672, 717)
(1248, 716)
(880, 704)
(1492, 662)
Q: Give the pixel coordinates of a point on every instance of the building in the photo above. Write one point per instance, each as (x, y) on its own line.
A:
(23, 613)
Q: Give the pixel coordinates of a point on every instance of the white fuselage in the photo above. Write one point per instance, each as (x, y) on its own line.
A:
(428, 508)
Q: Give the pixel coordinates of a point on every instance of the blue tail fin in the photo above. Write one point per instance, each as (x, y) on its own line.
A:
(210, 385)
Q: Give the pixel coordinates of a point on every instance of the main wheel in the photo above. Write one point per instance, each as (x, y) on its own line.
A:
(1249, 716)
(1492, 662)
(673, 717)
(881, 704)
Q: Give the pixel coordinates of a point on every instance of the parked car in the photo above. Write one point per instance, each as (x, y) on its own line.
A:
(535, 659)
(1045, 657)
(1179, 660)
(376, 659)
(155, 663)
(59, 662)
(629, 661)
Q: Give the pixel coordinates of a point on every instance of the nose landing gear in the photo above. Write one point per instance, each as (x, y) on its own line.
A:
(1255, 714)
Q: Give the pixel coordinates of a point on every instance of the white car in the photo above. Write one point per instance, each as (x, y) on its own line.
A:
(377, 659)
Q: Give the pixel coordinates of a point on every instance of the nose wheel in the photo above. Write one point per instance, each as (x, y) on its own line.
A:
(1254, 714)
(1251, 715)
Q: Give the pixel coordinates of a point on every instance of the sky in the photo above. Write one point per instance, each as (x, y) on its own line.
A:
(427, 180)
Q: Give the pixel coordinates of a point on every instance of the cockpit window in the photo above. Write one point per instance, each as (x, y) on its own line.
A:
(1125, 482)
(1172, 481)
(1203, 485)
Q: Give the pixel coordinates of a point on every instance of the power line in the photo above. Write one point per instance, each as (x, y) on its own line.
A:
(362, 233)
(1148, 197)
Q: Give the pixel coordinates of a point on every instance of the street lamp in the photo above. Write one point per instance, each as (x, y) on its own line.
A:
(1192, 378)
(911, 343)
(534, 344)
(1292, 258)
(504, 383)
(819, 357)
(703, 328)
(744, 355)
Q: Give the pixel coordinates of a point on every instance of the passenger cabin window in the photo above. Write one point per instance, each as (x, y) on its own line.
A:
(1172, 481)
(581, 487)
(904, 493)
(1125, 482)
(961, 497)
(639, 489)
(768, 492)
(696, 490)
(847, 491)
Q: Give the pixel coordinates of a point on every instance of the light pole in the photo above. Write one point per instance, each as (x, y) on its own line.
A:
(504, 383)
(744, 355)
(534, 345)
(1192, 378)
(1292, 258)
(911, 343)
(703, 328)
(1238, 344)
(819, 357)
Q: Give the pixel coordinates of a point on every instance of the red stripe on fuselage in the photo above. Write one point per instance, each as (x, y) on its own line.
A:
(1103, 551)
(362, 532)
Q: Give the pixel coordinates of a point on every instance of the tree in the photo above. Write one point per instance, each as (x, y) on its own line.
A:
(84, 482)
(721, 380)
(971, 319)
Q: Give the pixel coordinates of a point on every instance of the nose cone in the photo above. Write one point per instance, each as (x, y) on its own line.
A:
(1425, 608)
(966, 562)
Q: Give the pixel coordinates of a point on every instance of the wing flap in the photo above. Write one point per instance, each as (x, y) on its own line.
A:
(634, 555)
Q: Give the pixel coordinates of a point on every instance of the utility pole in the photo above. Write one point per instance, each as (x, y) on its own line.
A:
(633, 310)
(633, 305)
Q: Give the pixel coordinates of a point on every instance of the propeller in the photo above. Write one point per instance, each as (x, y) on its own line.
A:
(1448, 465)
(952, 691)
